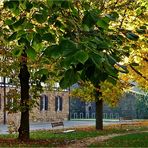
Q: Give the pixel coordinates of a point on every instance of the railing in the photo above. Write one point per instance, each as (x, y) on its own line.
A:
(93, 115)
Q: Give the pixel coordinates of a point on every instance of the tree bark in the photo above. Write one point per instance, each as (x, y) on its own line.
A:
(24, 103)
(99, 111)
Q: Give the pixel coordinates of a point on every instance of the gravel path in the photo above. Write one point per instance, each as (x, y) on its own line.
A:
(87, 141)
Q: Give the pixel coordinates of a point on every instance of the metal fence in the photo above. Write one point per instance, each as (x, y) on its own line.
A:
(93, 115)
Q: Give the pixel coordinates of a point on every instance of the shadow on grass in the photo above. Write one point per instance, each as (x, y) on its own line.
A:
(46, 138)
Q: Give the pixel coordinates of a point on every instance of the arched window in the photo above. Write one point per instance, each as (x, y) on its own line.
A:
(43, 103)
(58, 103)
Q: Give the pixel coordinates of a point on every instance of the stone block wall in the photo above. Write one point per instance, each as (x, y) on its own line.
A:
(40, 116)
(51, 114)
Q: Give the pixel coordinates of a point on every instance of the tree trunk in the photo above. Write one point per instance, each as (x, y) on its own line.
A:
(24, 103)
(99, 111)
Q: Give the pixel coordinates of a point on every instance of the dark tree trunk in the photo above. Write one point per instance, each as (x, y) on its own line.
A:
(24, 103)
(99, 111)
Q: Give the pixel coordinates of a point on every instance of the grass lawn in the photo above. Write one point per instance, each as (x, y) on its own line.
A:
(46, 138)
(130, 140)
(49, 139)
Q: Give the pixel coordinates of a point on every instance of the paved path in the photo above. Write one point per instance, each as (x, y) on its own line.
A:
(47, 125)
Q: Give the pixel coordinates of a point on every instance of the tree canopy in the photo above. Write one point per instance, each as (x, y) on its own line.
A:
(75, 40)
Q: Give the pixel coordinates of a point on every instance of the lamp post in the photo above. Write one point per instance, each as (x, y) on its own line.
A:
(4, 85)
(69, 105)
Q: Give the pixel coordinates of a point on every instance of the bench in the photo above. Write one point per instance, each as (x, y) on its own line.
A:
(127, 121)
(59, 124)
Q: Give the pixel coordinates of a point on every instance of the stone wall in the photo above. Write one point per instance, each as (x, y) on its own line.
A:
(51, 114)
(126, 107)
(41, 116)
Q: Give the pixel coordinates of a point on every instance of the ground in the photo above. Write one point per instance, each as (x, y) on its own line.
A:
(83, 137)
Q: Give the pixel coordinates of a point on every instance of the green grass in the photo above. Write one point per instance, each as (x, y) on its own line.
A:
(44, 138)
(130, 140)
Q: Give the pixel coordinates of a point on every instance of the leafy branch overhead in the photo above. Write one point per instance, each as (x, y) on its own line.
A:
(87, 40)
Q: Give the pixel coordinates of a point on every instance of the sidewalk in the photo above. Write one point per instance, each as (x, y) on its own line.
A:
(47, 125)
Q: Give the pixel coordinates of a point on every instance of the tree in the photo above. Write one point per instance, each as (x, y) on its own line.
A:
(104, 46)
(84, 39)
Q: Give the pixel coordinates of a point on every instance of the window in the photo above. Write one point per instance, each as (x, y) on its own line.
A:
(58, 103)
(43, 103)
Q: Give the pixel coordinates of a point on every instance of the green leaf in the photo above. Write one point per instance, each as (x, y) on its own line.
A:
(40, 17)
(85, 27)
(43, 78)
(48, 37)
(101, 23)
(110, 70)
(143, 27)
(38, 46)
(90, 18)
(28, 6)
(111, 60)
(37, 38)
(41, 30)
(42, 72)
(31, 53)
(12, 37)
(101, 43)
(79, 67)
(134, 64)
(21, 33)
(66, 62)
(123, 68)
(24, 41)
(69, 78)
(65, 4)
(106, 19)
(112, 80)
(29, 25)
(97, 59)
(19, 23)
(8, 22)
(59, 24)
(139, 11)
(132, 36)
(81, 56)
(17, 52)
(30, 36)
(67, 46)
(141, 31)
(49, 3)
(53, 51)
(11, 4)
(113, 16)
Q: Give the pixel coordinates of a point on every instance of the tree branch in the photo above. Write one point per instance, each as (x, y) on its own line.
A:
(139, 73)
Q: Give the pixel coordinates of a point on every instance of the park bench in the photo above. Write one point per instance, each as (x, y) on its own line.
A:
(61, 124)
(127, 121)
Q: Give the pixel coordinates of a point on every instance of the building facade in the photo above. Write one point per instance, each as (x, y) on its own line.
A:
(51, 106)
(131, 105)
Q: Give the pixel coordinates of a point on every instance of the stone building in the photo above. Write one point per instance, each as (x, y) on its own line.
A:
(130, 105)
(52, 106)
